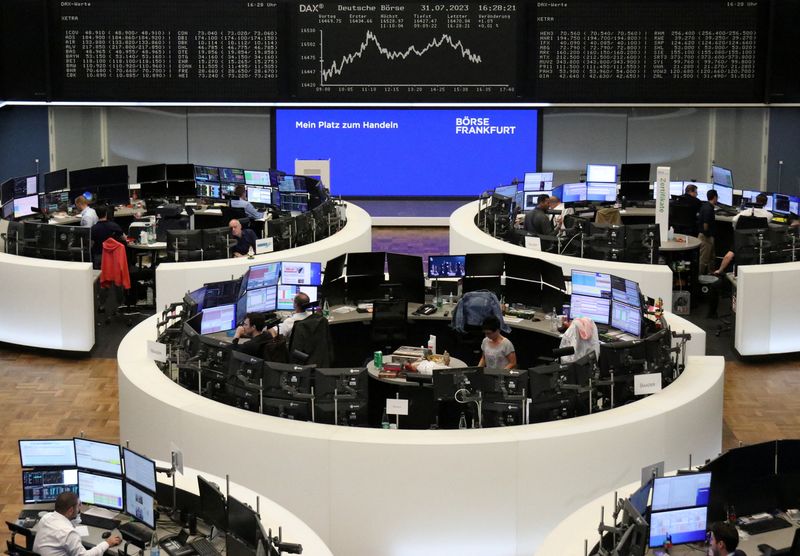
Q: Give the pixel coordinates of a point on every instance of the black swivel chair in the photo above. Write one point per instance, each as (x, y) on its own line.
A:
(794, 550)
(749, 222)
(17, 549)
(389, 323)
(310, 342)
(229, 213)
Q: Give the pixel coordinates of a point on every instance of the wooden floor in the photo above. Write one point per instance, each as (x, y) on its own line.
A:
(46, 396)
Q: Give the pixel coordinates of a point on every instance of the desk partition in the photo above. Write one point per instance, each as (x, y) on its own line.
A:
(466, 237)
(173, 280)
(46, 304)
(406, 492)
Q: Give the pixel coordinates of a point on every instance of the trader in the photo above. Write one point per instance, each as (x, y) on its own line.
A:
(759, 212)
(88, 215)
(498, 351)
(537, 221)
(559, 212)
(101, 231)
(245, 239)
(300, 305)
(242, 202)
(724, 540)
(56, 534)
(252, 327)
(706, 223)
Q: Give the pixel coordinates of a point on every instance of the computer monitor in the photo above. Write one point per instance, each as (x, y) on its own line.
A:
(627, 318)
(23, 206)
(218, 319)
(484, 264)
(100, 175)
(366, 263)
(602, 173)
(683, 526)
(139, 504)
(295, 273)
(572, 192)
(681, 491)
(117, 194)
(98, 456)
(153, 190)
(286, 296)
(213, 508)
(523, 268)
(231, 175)
(635, 191)
(206, 174)
(285, 379)
(346, 381)
(702, 188)
(447, 382)
(595, 308)
(626, 291)
(256, 177)
(724, 195)
(633, 173)
(47, 453)
(100, 490)
(242, 522)
(260, 300)
(750, 196)
(7, 191)
(8, 210)
(603, 192)
(265, 274)
(181, 188)
(208, 190)
(44, 485)
(25, 186)
(538, 181)
(221, 293)
(721, 176)
(139, 470)
(781, 204)
(794, 205)
(446, 266)
(641, 498)
(506, 191)
(151, 172)
(260, 195)
(180, 172)
(594, 284)
(55, 181)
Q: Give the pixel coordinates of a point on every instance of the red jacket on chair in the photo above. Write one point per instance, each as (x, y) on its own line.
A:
(114, 266)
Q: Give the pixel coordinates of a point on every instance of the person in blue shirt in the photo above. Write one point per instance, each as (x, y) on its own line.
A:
(245, 239)
(242, 202)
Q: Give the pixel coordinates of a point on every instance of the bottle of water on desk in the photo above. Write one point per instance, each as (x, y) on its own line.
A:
(326, 309)
(154, 544)
(553, 316)
(462, 421)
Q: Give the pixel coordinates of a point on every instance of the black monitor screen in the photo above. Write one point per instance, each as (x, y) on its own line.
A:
(153, 172)
(213, 508)
(180, 172)
(102, 175)
(446, 266)
(635, 173)
(44, 485)
(182, 188)
(117, 194)
(7, 191)
(242, 521)
(365, 264)
(55, 181)
(484, 264)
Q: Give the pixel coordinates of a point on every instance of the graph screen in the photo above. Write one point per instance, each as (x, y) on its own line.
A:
(410, 49)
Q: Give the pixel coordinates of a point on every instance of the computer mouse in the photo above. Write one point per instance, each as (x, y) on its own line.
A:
(106, 534)
(447, 313)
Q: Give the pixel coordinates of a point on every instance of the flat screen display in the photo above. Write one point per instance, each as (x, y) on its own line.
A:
(301, 274)
(399, 152)
(626, 318)
(55, 181)
(750, 197)
(681, 491)
(538, 181)
(724, 195)
(626, 291)
(98, 456)
(605, 192)
(23, 206)
(139, 469)
(260, 195)
(261, 275)
(573, 192)
(683, 526)
(506, 191)
(446, 266)
(595, 284)
(286, 295)
(261, 300)
(206, 174)
(100, 490)
(595, 308)
(721, 176)
(139, 505)
(256, 177)
(602, 173)
(44, 485)
(218, 319)
(47, 453)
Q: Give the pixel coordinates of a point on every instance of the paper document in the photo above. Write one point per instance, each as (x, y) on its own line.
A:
(512, 320)
(100, 512)
(82, 530)
(344, 309)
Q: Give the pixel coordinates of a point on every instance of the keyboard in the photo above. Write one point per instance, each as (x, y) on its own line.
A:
(29, 514)
(765, 526)
(204, 547)
(99, 522)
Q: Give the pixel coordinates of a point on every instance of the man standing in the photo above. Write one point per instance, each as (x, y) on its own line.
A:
(537, 221)
(245, 239)
(56, 534)
(88, 215)
(706, 223)
(560, 211)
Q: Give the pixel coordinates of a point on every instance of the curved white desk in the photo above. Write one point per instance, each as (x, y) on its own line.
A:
(173, 280)
(273, 515)
(767, 308)
(402, 492)
(465, 237)
(46, 304)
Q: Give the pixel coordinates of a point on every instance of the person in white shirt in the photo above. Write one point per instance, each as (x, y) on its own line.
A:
(301, 300)
(758, 212)
(555, 204)
(88, 215)
(56, 534)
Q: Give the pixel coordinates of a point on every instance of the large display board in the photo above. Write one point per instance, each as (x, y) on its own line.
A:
(560, 51)
(156, 50)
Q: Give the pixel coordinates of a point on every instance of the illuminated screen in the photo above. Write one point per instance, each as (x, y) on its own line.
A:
(597, 191)
(263, 275)
(139, 505)
(681, 491)
(24, 205)
(721, 176)
(572, 192)
(446, 266)
(595, 284)
(261, 195)
(286, 295)
(626, 318)
(47, 453)
(602, 173)
(301, 274)
(98, 456)
(231, 175)
(218, 319)
(539, 181)
(44, 485)
(595, 308)
(100, 490)
(262, 300)
(724, 195)
(256, 177)
(401, 152)
(683, 526)
(140, 469)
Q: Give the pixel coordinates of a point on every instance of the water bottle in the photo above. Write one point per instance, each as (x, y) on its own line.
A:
(462, 421)
(326, 309)
(154, 545)
(553, 320)
(385, 419)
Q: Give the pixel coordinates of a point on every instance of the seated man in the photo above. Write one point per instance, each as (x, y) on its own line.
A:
(724, 540)
(101, 231)
(759, 212)
(300, 302)
(242, 202)
(252, 327)
(537, 221)
(88, 214)
(245, 239)
(56, 534)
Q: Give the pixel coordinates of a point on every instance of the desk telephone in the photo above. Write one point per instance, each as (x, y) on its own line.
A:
(426, 309)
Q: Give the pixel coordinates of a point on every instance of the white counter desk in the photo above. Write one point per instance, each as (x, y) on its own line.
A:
(173, 280)
(402, 492)
(46, 304)
(465, 237)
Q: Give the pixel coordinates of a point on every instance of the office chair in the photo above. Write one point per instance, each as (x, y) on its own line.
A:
(749, 222)
(794, 550)
(30, 239)
(13, 547)
(608, 215)
(683, 218)
(312, 337)
(229, 213)
(389, 323)
(277, 350)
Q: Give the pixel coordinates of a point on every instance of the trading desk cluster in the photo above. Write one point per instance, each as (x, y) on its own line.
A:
(123, 483)
(631, 187)
(330, 389)
(299, 208)
(754, 488)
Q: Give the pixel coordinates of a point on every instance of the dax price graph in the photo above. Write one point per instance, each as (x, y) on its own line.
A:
(415, 50)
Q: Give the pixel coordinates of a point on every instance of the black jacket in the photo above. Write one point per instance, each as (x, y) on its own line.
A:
(312, 336)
